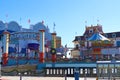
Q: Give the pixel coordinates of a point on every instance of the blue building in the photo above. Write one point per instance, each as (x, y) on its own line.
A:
(23, 40)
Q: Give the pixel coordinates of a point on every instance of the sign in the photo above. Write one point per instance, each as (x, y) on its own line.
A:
(97, 51)
(24, 35)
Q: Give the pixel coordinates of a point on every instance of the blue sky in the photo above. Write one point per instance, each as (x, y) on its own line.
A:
(68, 15)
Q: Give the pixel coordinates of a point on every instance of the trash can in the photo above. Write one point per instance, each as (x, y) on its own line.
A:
(76, 75)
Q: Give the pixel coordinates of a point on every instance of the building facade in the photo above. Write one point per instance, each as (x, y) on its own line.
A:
(25, 41)
(95, 44)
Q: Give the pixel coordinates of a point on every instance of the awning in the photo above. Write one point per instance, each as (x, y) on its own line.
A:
(12, 50)
(33, 46)
(23, 50)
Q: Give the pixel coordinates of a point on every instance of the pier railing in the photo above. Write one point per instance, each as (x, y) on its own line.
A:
(108, 70)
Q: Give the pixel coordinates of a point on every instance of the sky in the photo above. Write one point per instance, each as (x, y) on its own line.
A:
(68, 15)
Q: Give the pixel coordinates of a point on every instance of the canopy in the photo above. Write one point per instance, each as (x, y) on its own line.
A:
(23, 50)
(97, 37)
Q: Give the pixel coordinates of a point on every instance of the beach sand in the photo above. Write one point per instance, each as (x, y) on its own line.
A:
(42, 78)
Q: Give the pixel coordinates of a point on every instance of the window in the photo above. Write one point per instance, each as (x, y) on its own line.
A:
(91, 31)
(114, 35)
(94, 71)
(79, 38)
(106, 35)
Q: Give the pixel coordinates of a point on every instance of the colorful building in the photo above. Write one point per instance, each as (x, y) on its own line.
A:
(26, 42)
(97, 45)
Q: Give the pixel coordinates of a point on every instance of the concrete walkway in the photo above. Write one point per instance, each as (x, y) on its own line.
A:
(42, 78)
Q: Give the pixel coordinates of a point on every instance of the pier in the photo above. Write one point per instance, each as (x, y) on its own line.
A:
(109, 70)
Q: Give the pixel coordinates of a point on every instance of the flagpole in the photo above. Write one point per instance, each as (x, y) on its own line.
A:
(20, 20)
(98, 21)
(6, 25)
(29, 22)
(85, 23)
(54, 27)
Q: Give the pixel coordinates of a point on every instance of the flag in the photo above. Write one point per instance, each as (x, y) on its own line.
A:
(6, 15)
(86, 23)
(28, 20)
(42, 22)
(47, 26)
(20, 18)
(54, 24)
(54, 27)
(6, 19)
(98, 21)
(66, 48)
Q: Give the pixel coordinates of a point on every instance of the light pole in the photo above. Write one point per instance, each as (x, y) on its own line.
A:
(20, 76)
(65, 74)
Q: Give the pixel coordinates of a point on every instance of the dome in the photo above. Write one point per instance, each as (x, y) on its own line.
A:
(39, 26)
(14, 26)
(2, 25)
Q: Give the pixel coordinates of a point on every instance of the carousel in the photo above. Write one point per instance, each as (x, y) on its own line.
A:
(94, 46)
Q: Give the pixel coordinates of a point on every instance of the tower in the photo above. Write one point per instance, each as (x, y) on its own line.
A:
(53, 49)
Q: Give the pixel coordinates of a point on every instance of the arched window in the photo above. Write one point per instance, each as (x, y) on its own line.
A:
(91, 31)
(106, 35)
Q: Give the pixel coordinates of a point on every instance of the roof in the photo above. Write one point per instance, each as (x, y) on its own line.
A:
(71, 64)
(112, 34)
(78, 38)
(1, 31)
(97, 37)
(108, 62)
